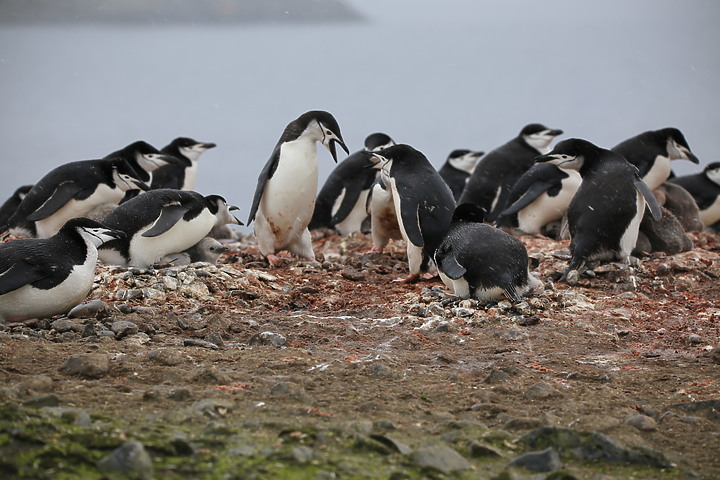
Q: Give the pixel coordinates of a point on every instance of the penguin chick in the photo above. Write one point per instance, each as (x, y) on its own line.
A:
(705, 189)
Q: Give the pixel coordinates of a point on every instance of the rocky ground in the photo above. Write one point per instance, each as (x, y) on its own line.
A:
(334, 370)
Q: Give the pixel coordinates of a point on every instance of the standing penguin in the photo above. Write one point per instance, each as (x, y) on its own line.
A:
(182, 173)
(11, 205)
(72, 190)
(45, 277)
(162, 222)
(540, 197)
(604, 215)
(284, 199)
(705, 189)
(480, 261)
(489, 185)
(423, 202)
(651, 152)
(342, 199)
(457, 169)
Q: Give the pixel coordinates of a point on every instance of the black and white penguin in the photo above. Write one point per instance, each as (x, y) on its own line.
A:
(539, 198)
(45, 277)
(341, 202)
(422, 200)
(162, 222)
(651, 152)
(284, 199)
(182, 173)
(480, 261)
(72, 190)
(380, 207)
(604, 215)
(457, 169)
(705, 189)
(207, 250)
(489, 185)
(144, 159)
(11, 205)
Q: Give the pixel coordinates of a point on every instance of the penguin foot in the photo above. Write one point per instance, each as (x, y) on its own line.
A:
(412, 278)
(376, 250)
(275, 261)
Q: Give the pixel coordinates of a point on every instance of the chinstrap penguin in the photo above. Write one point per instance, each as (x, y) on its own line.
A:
(539, 198)
(604, 215)
(341, 202)
(162, 222)
(457, 169)
(72, 190)
(45, 277)
(182, 173)
(143, 158)
(480, 261)
(651, 152)
(423, 202)
(11, 205)
(489, 185)
(284, 199)
(705, 189)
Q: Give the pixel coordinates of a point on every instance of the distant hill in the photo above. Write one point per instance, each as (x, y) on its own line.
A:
(173, 12)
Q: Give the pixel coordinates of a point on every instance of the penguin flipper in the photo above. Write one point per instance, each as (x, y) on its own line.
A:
(410, 215)
(348, 203)
(532, 193)
(18, 275)
(169, 216)
(450, 266)
(650, 199)
(512, 294)
(60, 196)
(266, 174)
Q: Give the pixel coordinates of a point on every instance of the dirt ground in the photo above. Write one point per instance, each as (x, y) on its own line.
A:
(367, 371)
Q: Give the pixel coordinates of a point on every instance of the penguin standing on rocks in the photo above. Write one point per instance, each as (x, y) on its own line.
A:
(45, 277)
(651, 152)
(705, 189)
(182, 173)
(284, 199)
(480, 261)
(341, 203)
(422, 200)
(489, 185)
(539, 198)
(72, 190)
(457, 169)
(604, 215)
(162, 222)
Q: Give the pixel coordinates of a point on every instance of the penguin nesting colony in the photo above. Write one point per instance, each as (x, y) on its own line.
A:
(539, 199)
(284, 199)
(45, 277)
(341, 202)
(480, 261)
(161, 222)
(705, 189)
(651, 152)
(72, 190)
(604, 215)
(182, 173)
(489, 185)
(422, 200)
(457, 169)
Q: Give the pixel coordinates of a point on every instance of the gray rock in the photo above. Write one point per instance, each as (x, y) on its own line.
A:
(440, 457)
(90, 309)
(710, 408)
(546, 460)
(63, 325)
(496, 376)
(268, 338)
(122, 328)
(542, 391)
(166, 356)
(36, 384)
(49, 400)
(478, 450)
(213, 407)
(93, 365)
(195, 342)
(76, 417)
(642, 422)
(216, 338)
(129, 458)
(302, 454)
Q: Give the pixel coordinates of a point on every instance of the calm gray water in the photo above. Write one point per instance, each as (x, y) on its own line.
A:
(436, 75)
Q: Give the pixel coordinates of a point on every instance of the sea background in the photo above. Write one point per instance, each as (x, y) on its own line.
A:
(438, 75)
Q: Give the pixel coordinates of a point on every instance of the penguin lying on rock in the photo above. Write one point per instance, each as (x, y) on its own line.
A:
(480, 261)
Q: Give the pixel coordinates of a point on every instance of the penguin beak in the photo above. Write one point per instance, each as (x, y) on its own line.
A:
(331, 147)
(233, 208)
(207, 146)
(140, 184)
(691, 156)
(116, 234)
(555, 133)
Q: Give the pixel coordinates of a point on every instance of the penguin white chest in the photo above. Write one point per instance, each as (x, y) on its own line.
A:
(711, 214)
(47, 227)
(546, 209)
(288, 201)
(190, 176)
(658, 173)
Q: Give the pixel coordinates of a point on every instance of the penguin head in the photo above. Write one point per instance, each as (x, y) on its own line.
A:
(188, 147)
(378, 141)
(712, 172)
(464, 160)
(677, 146)
(149, 158)
(570, 153)
(91, 230)
(321, 125)
(468, 212)
(125, 177)
(539, 136)
(219, 207)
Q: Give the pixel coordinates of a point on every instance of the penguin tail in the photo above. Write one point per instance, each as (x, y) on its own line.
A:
(512, 294)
